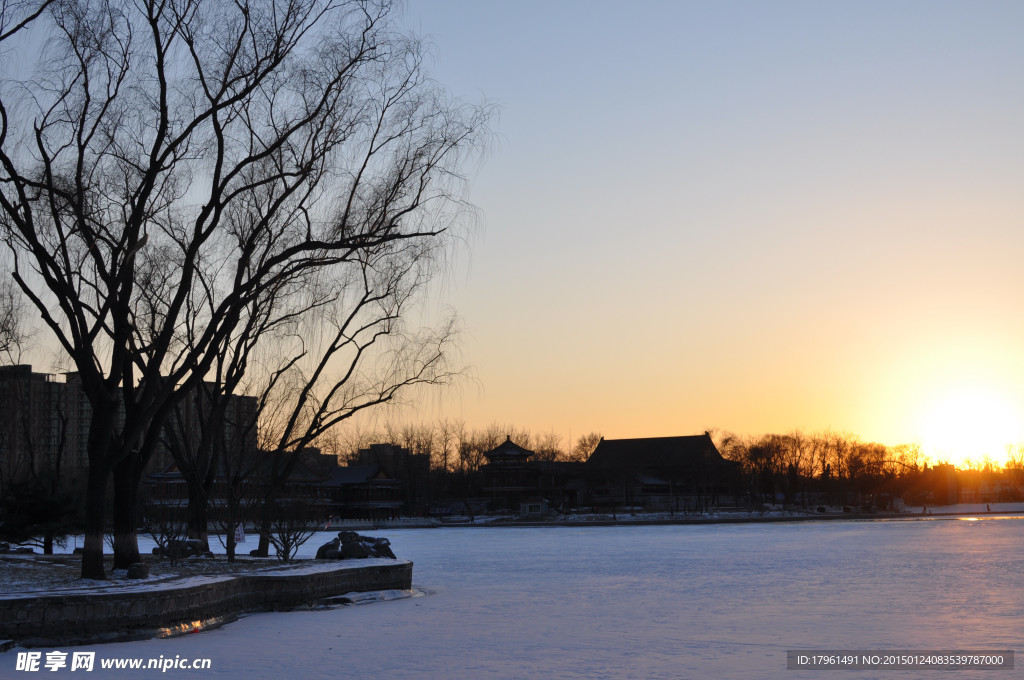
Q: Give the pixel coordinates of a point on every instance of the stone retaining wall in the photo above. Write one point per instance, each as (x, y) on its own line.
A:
(119, 612)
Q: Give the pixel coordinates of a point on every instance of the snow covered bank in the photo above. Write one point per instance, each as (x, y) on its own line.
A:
(123, 610)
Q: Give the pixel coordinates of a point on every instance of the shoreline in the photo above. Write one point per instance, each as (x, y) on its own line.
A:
(826, 517)
(172, 607)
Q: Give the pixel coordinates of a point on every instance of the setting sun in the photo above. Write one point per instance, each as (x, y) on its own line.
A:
(971, 425)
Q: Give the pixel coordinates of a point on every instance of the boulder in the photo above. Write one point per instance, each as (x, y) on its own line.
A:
(354, 550)
(329, 550)
(138, 570)
(382, 548)
(177, 550)
(351, 546)
(174, 549)
(196, 547)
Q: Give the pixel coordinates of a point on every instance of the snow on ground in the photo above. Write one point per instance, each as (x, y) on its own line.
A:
(966, 508)
(118, 582)
(696, 601)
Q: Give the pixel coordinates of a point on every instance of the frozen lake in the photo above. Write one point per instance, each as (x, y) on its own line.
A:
(711, 601)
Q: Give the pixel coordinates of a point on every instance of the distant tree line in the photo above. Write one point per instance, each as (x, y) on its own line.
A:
(457, 452)
(795, 469)
(839, 468)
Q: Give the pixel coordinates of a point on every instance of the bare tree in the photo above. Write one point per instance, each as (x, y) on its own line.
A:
(549, 447)
(12, 321)
(354, 437)
(290, 527)
(350, 356)
(585, 446)
(251, 145)
(166, 525)
(444, 451)
(238, 491)
(15, 15)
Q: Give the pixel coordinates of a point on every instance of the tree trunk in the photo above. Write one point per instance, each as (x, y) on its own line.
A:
(266, 519)
(263, 549)
(233, 517)
(229, 542)
(95, 506)
(198, 519)
(127, 477)
(101, 428)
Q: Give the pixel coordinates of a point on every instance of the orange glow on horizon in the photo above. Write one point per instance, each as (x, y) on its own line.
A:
(971, 426)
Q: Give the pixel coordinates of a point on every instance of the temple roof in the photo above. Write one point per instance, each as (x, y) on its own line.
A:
(656, 452)
(508, 451)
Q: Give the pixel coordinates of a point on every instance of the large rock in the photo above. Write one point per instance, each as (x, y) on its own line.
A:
(177, 550)
(138, 570)
(354, 550)
(382, 547)
(351, 546)
(330, 550)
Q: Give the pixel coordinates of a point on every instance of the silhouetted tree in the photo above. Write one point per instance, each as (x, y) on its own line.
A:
(290, 527)
(585, 446)
(12, 319)
(548, 447)
(325, 374)
(250, 145)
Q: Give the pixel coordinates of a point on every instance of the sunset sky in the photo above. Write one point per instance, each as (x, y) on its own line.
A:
(753, 216)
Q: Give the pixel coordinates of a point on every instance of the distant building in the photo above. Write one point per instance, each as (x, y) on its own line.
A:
(517, 482)
(44, 419)
(402, 465)
(942, 485)
(183, 431)
(661, 473)
(41, 424)
(363, 492)
(509, 474)
(657, 473)
(535, 506)
(323, 492)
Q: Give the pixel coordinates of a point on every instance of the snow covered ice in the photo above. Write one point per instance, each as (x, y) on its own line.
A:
(698, 601)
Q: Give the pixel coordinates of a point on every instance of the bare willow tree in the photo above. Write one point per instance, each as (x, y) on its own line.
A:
(170, 162)
(347, 356)
(12, 320)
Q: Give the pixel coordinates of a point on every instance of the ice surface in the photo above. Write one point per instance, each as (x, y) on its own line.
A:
(714, 601)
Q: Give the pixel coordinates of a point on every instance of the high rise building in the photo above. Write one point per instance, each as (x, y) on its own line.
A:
(40, 424)
(44, 424)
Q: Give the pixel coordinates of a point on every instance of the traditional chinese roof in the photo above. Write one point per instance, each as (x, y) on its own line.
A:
(656, 452)
(507, 452)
